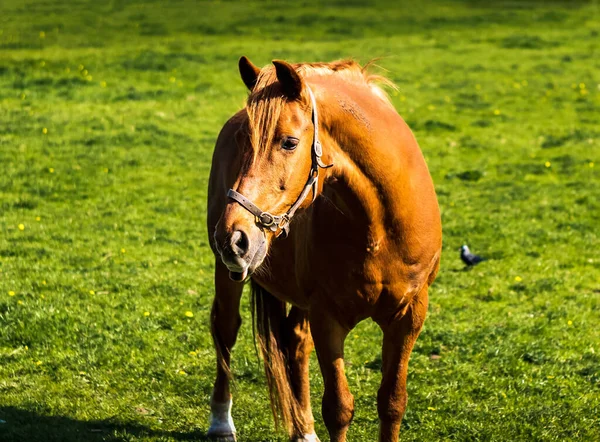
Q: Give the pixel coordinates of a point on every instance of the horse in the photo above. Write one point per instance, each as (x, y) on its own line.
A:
(319, 196)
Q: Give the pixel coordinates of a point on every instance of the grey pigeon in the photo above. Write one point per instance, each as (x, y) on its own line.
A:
(469, 258)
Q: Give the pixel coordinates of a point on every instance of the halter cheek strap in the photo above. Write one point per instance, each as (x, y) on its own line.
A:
(280, 223)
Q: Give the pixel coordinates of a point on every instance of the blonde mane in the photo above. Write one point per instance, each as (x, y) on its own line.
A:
(264, 106)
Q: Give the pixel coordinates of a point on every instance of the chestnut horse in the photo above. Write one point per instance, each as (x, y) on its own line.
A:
(320, 196)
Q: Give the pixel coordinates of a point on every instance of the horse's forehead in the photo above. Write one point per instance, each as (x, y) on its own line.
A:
(292, 114)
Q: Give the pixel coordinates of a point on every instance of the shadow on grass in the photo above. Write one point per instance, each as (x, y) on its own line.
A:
(22, 425)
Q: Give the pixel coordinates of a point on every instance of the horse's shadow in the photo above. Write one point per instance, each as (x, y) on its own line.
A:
(17, 425)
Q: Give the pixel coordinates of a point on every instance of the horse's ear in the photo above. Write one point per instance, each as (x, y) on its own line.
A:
(291, 82)
(249, 72)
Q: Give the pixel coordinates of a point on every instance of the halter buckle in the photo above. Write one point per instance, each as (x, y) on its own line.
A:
(318, 148)
(266, 219)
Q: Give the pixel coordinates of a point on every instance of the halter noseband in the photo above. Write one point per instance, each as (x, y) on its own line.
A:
(281, 222)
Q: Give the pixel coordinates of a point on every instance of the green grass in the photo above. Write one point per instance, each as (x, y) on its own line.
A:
(108, 116)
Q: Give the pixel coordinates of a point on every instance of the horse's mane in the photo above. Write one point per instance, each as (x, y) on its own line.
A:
(266, 102)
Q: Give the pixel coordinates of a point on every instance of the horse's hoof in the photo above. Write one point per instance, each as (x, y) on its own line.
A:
(221, 437)
(221, 424)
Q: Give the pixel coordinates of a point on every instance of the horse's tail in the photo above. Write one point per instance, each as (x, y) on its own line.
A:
(268, 317)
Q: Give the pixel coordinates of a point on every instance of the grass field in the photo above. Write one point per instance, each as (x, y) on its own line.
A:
(108, 116)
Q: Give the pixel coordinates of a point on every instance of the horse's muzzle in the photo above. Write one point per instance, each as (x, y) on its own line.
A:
(241, 252)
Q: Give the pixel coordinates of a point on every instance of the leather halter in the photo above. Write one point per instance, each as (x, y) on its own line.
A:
(280, 223)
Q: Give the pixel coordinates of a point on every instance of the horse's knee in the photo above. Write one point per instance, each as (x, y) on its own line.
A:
(224, 325)
(391, 405)
(338, 409)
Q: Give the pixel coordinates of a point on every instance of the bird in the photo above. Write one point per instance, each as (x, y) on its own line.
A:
(469, 258)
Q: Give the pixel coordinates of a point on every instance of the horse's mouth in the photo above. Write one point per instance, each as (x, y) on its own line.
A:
(240, 269)
(238, 276)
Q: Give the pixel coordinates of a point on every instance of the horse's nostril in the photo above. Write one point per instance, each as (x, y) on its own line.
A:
(239, 243)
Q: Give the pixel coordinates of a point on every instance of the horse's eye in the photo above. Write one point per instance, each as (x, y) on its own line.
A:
(290, 143)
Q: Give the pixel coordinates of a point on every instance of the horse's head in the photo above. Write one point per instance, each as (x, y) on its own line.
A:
(278, 163)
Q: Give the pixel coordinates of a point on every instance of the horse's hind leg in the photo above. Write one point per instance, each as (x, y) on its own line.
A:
(225, 323)
(299, 346)
(399, 336)
(338, 403)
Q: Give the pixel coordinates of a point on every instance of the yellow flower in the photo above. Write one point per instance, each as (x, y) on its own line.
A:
(92, 292)
(172, 79)
(89, 77)
(122, 250)
(547, 164)
(431, 107)
(192, 353)
(103, 84)
(569, 322)
(42, 34)
(45, 131)
(181, 372)
(37, 218)
(38, 363)
(518, 279)
(20, 302)
(591, 164)
(43, 282)
(146, 313)
(189, 314)
(81, 67)
(581, 85)
(84, 72)
(21, 227)
(51, 170)
(431, 408)
(11, 293)
(496, 111)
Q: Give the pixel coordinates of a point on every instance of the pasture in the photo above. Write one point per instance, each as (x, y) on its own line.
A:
(108, 116)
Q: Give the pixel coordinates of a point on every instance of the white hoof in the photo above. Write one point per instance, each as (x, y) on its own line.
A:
(230, 438)
(312, 437)
(221, 423)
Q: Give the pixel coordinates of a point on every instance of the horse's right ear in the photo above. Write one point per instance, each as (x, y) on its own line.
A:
(249, 72)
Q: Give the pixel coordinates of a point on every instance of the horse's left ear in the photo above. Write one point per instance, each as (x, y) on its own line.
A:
(248, 72)
(291, 82)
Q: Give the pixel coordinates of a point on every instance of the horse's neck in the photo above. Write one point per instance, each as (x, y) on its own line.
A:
(377, 163)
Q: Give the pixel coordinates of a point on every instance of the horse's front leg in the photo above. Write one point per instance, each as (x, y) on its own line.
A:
(338, 403)
(225, 323)
(399, 337)
(299, 345)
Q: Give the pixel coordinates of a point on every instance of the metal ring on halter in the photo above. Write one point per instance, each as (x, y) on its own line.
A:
(270, 219)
